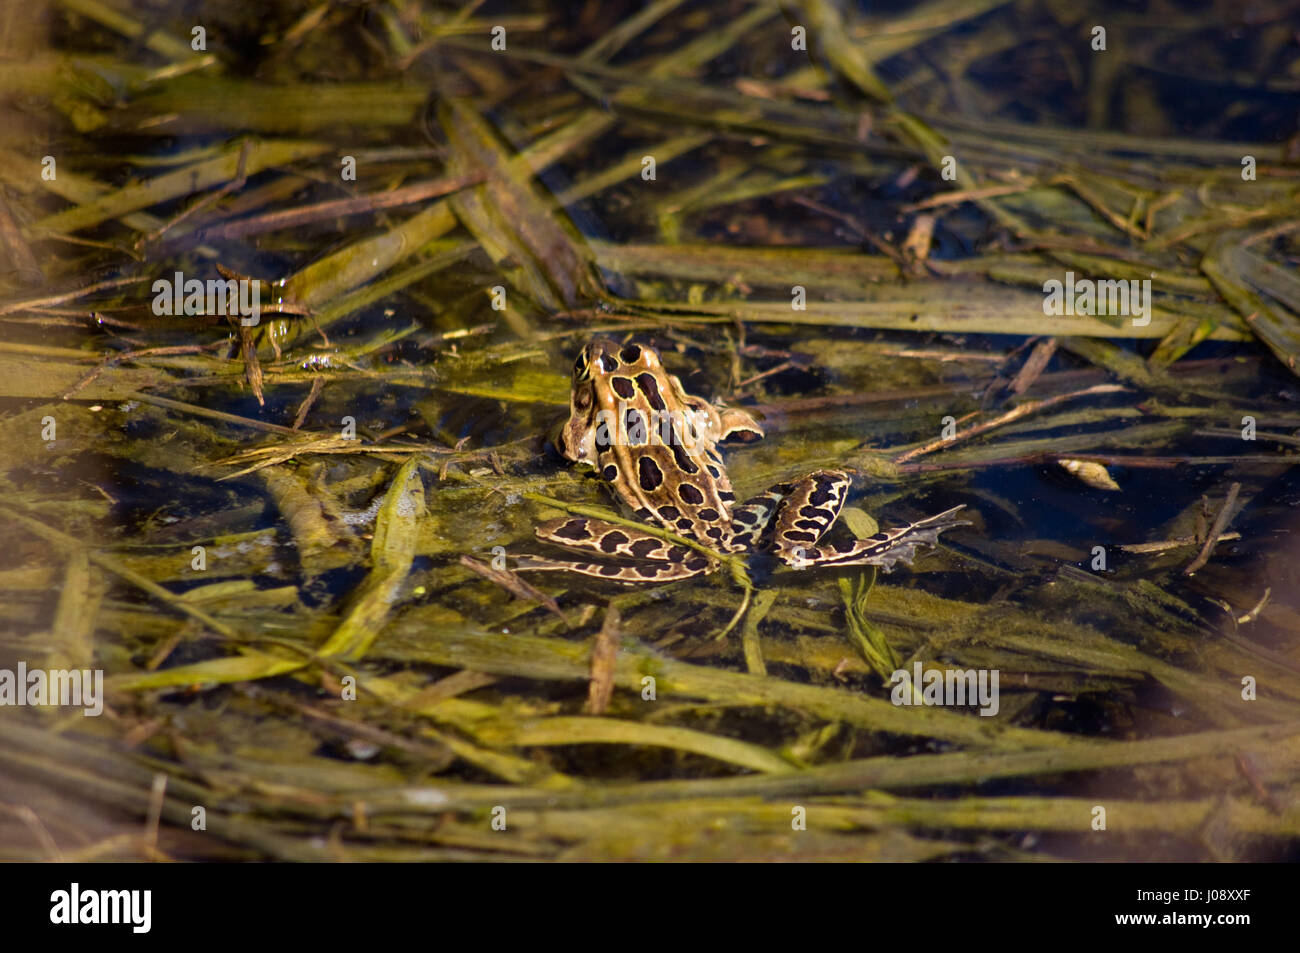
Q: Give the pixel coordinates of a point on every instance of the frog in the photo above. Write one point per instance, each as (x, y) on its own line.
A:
(658, 449)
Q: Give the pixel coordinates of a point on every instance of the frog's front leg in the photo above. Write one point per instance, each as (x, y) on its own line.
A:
(664, 561)
(811, 508)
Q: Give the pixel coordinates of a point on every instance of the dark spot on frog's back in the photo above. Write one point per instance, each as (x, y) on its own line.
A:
(709, 515)
(690, 494)
(823, 494)
(649, 474)
(573, 529)
(630, 354)
(612, 540)
(683, 460)
(642, 548)
(650, 387)
(623, 386)
(610, 472)
(608, 363)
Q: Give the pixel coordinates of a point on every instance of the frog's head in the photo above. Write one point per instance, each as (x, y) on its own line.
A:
(593, 390)
(591, 372)
(607, 373)
(603, 356)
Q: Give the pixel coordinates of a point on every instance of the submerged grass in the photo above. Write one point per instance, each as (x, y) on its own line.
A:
(289, 545)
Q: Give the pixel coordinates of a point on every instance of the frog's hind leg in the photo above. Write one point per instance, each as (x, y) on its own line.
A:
(883, 549)
(603, 538)
(663, 560)
(813, 506)
(807, 509)
(641, 572)
(749, 520)
(823, 491)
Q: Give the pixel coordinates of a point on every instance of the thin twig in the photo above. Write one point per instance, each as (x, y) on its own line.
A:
(36, 826)
(1159, 546)
(511, 582)
(154, 815)
(234, 185)
(317, 385)
(604, 664)
(1253, 614)
(1024, 410)
(69, 295)
(338, 208)
(1220, 522)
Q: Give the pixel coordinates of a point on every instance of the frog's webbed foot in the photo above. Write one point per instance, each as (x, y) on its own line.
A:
(883, 549)
(657, 560)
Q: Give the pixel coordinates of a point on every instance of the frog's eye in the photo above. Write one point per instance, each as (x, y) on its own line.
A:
(582, 367)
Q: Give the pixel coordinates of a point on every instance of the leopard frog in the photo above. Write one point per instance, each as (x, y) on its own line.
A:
(657, 447)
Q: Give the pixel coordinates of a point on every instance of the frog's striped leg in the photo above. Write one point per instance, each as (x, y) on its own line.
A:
(664, 560)
(641, 572)
(603, 538)
(750, 520)
(813, 505)
(883, 549)
(808, 510)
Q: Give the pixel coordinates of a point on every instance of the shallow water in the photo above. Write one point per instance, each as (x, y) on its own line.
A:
(286, 617)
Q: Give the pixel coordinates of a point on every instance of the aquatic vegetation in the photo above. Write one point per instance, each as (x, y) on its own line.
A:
(286, 328)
